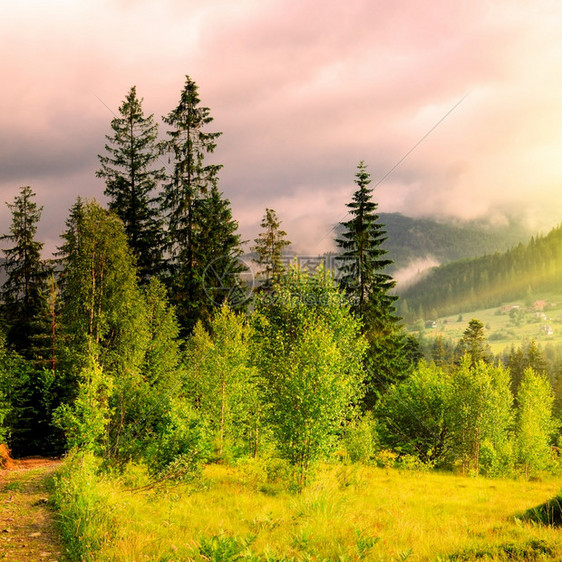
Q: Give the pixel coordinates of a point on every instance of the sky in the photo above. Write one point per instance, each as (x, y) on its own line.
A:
(455, 106)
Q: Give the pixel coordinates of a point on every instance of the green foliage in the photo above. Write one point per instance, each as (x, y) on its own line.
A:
(362, 263)
(441, 351)
(131, 172)
(222, 547)
(415, 415)
(4, 412)
(222, 382)
(162, 358)
(460, 416)
(132, 334)
(490, 280)
(202, 245)
(29, 396)
(308, 350)
(84, 515)
(180, 443)
(361, 438)
(363, 256)
(528, 355)
(535, 425)
(482, 417)
(102, 304)
(85, 422)
(473, 344)
(218, 255)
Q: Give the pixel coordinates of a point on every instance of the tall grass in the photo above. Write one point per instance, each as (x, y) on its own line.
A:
(83, 500)
(348, 513)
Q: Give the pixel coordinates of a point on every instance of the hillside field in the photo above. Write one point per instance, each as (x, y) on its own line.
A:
(510, 324)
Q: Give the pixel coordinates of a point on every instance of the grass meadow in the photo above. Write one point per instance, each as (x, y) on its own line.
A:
(349, 512)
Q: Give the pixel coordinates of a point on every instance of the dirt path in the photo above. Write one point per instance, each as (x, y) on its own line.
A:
(27, 526)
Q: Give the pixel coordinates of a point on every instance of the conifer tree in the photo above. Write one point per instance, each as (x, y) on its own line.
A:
(25, 316)
(219, 251)
(269, 247)
(24, 306)
(473, 343)
(363, 258)
(362, 263)
(201, 243)
(132, 174)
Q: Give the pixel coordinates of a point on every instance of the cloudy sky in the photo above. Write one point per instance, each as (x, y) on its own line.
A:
(302, 91)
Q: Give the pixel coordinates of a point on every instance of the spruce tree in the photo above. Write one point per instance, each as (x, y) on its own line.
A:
(473, 343)
(24, 304)
(362, 262)
(218, 251)
(25, 315)
(269, 247)
(363, 258)
(132, 174)
(201, 242)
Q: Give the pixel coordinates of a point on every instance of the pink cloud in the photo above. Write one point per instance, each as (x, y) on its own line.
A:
(302, 91)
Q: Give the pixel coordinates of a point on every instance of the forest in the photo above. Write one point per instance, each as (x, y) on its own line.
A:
(487, 281)
(422, 238)
(140, 353)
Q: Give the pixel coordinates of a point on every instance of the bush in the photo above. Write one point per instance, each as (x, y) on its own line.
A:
(180, 446)
(411, 462)
(414, 415)
(84, 423)
(259, 473)
(497, 461)
(360, 439)
(385, 459)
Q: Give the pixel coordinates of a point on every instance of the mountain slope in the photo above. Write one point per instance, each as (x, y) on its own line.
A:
(410, 240)
(487, 281)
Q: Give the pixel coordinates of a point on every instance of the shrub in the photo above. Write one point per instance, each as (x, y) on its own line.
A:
(180, 446)
(360, 439)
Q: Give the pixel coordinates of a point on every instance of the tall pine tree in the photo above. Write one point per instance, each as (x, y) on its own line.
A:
(24, 306)
(202, 243)
(362, 263)
(219, 251)
(132, 174)
(25, 315)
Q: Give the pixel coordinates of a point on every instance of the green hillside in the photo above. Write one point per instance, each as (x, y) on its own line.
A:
(510, 324)
(524, 272)
(410, 239)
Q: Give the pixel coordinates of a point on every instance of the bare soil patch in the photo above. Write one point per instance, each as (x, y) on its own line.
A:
(27, 520)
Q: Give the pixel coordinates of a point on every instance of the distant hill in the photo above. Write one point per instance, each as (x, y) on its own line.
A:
(487, 281)
(410, 239)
